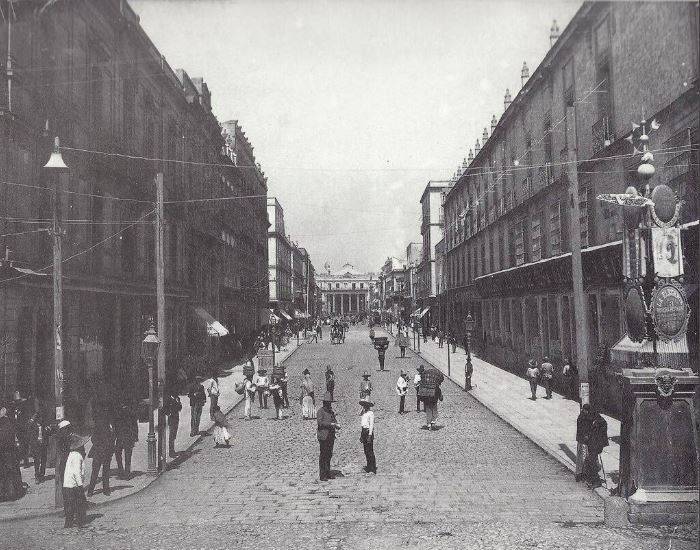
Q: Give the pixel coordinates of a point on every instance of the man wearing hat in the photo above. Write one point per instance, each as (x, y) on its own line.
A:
(73, 480)
(365, 386)
(416, 384)
(547, 372)
(262, 383)
(327, 426)
(330, 381)
(533, 375)
(367, 435)
(401, 389)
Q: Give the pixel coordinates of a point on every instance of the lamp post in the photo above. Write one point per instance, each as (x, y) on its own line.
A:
(468, 368)
(149, 352)
(273, 324)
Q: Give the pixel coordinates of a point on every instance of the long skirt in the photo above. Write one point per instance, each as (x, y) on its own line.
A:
(307, 407)
(221, 435)
(11, 487)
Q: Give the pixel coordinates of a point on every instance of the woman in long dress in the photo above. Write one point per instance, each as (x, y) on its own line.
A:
(222, 437)
(308, 407)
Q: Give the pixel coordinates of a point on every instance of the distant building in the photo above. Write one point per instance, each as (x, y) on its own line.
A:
(394, 289)
(414, 256)
(345, 291)
(279, 251)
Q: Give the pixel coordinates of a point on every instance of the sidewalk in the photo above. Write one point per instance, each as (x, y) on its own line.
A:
(549, 423)
(40, 498)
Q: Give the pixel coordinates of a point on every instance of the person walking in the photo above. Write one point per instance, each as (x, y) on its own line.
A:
(327, 426)
(73, 480)
(262, 384)
(308, 410)
(197, 400)
(63, 434)
(126, 431)
(276, 393)
(365, 385)
(546, 373)
(222, 437)
(367, 435)
(441, 338)
(101, 450)
(371, 334)
(570, 374)
(533, 375)
(213, 391)
(597, 440)
(38, 444)
(250, 390)
(452, 341)
(284, 381)
(583, 432)
(330, 381)
(430, 394)
(11, 487)
(403, 342)
(416, 385)
(172, 408)
(401, 389)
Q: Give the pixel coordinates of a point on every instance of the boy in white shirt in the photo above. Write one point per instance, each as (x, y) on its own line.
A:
(367, 435)
(401, 389)
(73, 480)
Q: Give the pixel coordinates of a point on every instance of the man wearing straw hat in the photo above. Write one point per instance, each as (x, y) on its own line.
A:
(327, 426)
(367, 435)
(73, 480)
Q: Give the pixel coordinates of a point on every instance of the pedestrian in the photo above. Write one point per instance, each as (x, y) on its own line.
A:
(63, 434)
(365, 385)
(276, 393)
(596, 441)
(401, 389)
(583, 432)
(181, 377)
(371, 334)
(441, 338)
(367, 435)
(468, 371)
(38, 444)
(73, 480)
(222, 437)
(327, 425)
(262, 384)
(172, 407)
(319, 330)
(546, 373)
(416, 385)
(284, 381)
(430, 394)
(11, 487)
(308, 406)
(126, 432)
(533, 374)
(330, 381)
(570, 374)
(101, 450)
(197, 400)
(250, 390)
(381, 353)
(213, 392)
(403, 342)
(452, 341)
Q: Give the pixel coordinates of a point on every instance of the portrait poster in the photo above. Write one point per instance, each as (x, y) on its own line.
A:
(666, 246)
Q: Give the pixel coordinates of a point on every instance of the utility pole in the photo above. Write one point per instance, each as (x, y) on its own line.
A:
(58, 169)
(580, 306)
(160, 298)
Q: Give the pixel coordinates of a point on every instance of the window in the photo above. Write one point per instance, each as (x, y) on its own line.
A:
(519, 242)
(583, 194)
(337, 285)
(536, 238)
(547, 139)
(362, 285)
(501, 252)
(555, 229)
(568, 83)
(353, 286)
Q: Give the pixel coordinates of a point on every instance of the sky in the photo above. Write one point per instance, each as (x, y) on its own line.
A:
(352, 106)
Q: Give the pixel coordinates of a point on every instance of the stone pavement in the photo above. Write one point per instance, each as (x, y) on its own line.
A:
(474, 483)
(550, 423)
(39, 498)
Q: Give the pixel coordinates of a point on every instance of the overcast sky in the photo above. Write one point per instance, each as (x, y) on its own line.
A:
(353, 106)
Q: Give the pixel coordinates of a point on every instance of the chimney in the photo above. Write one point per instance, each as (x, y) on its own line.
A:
(553, 33)
(494, 123)
(485, 136)
(477, 147)
(507, 100)
(470, 157)
(524, 74)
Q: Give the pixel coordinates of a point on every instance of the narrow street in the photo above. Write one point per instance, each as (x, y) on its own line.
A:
(474, 483)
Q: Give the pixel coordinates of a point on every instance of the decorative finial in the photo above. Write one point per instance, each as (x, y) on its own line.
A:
(470, 156)
(524, 74)
(553, 33)
(477, 147)
(507, 99)
(485, 135)
(494, 123)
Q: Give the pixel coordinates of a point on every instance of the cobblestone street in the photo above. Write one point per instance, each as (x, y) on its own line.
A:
(474, 483)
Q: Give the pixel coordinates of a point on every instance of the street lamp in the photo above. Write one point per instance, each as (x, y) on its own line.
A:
(273, 324)
(468, 368)
(149, 352)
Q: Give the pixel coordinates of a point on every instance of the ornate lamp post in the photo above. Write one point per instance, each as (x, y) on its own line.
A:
(149, 352)
(468, 368)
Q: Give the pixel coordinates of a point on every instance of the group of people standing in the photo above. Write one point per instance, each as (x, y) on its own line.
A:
(544, 374)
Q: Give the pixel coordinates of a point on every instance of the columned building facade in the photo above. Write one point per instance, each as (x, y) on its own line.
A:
(345, 291)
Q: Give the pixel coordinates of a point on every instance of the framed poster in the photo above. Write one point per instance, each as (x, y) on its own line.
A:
(669, 310)
(666, 247)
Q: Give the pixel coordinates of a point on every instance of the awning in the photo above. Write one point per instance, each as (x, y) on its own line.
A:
(670, 353)
(285, 315)
(422, 313)
(266, 314)
(214, 328)
(415, 313)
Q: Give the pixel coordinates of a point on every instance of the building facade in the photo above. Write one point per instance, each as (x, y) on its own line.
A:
(279, 250)
(89, 69)
(394, 290)
(346, 291)
(305, 291)
(508, 217)
(414, 255)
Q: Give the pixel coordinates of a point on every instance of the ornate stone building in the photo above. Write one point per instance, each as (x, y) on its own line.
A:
(345, 291)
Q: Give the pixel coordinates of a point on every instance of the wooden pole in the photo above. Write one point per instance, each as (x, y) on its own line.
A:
(160, 298)
(580, 306)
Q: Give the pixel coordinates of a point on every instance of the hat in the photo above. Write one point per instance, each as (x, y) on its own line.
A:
(63, 424)
(365, 401)
(306, 371)
(328, 398)
(532, 363)
(17, 397)
(403, 372)
(328, 368)
(365, 374)
(421, 368)
(78, 441)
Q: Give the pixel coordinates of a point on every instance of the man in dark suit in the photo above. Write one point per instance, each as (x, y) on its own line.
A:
(327, 426)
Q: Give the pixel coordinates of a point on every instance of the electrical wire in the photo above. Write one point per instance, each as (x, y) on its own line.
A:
(26, 232)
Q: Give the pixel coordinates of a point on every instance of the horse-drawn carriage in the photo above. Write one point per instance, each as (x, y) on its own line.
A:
(337, 334)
